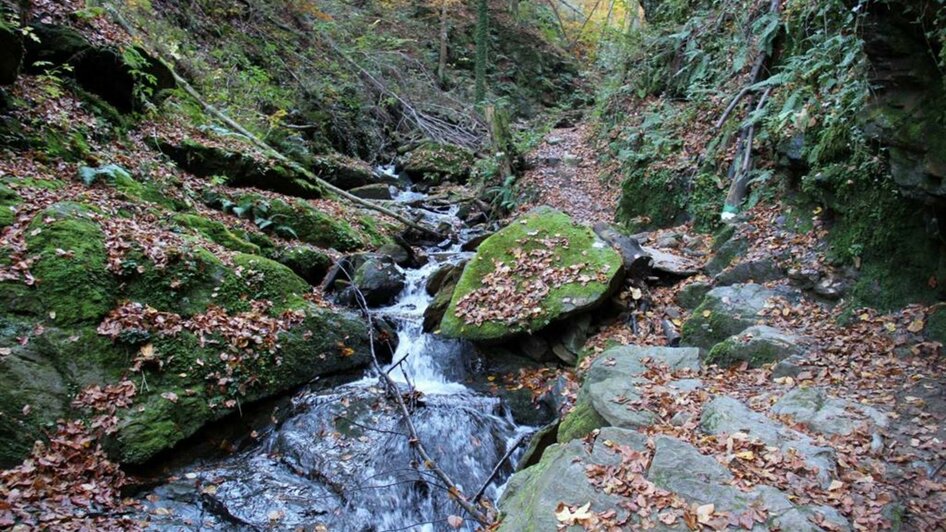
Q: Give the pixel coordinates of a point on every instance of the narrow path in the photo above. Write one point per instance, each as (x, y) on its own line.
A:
(564, 173)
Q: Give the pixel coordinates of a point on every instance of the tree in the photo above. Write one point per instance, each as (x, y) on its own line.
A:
(482, 45)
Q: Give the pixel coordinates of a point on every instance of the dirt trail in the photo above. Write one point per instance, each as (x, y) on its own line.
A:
(564, 173)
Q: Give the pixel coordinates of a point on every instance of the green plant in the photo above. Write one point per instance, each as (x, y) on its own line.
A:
(145, 81)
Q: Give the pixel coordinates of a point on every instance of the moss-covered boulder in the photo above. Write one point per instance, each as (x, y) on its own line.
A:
(216, 232)
(306, 261)
(343, 172)
(121, 180)
(73, 284)
(315, 227)
(542, 268)
(241, 168)
(436, 163)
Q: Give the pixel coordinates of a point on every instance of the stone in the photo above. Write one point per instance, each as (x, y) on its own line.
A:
(379, 191)
(758, 271)
(306, 261)
(725, 415)
(536, 347)
(610, 399)
(397, 253)
(691, 295)
(789, 367)
(671, 264)
(726, 251)
(576, 246)
(630, 361)
(812, 406)
(346, 173)
(435, 163)
(637, 263)
(757, 345)
(532, 495)
(727, 311)
(379, 281)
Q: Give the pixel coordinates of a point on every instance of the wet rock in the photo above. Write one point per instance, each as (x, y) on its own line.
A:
(758, 271)
(757, 345)
(434, 313)
(380, 191)
(397, 253)
(825, 414)
(725, 415)
(568, 346)
(727, 311)
(671, 264)
(530, 299)
(533, 494)
(379, 281)
(691, 295)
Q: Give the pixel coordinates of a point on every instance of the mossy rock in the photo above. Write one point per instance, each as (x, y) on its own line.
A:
(179, 400)
(578, 423)
(241, 169)
(308, 262)
(216, 232)
(583, 248)
(186, 285)
(343, 172)
(726, 311)
(259, 278)
(314, 226)
(435, 163)
(9, 200)
(73, 283)
(757, 346)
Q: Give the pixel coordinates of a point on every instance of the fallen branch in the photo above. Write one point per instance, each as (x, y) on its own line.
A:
(499, 465)
(269, 150)
(740, 182)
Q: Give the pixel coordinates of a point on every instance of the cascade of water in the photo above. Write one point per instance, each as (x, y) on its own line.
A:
(343, 460)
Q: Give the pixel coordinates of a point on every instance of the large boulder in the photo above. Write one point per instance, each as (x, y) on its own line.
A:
(758, 345)
(533, 495)
(727, 311)
(436, 163)
(609, 390)
(379, 280)
(725, 415)
(542, 268)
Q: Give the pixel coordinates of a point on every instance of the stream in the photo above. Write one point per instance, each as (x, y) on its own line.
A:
(341, 459)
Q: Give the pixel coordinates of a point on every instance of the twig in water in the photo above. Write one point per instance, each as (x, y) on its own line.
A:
(499, 464)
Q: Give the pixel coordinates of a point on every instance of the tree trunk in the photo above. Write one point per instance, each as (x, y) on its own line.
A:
(482, 48)
(442, 64)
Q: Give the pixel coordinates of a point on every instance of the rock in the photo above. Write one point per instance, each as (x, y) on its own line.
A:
(758, 271)
(726, 249)
(474, 243)
(554, 140)
(571, 160)
(568, 346)
(691, 295)
(397, 253)
(725, 415)
(727, 311)
(242, 169)
(380, 191)
(306, 261)
(447, 283)
(215, 232)
(436, 163)
(344, 172)
(567, 268)
(757, 345)
(532, 495)
(11, 54)
(614, 375)
(536, 347)
(670, 264)
(637, 263)
(379, 281)
(789, 367)
(112, 74)
(825, 414)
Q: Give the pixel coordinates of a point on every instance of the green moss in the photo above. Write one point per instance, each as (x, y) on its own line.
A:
(730, 351)
(580, 421)
(30, 182)
(216, 232)
(186, 285)
(73, 283)
(307, 262)
(156, 424)
(710, 325)
(439, 162)
(525, 233)
(260, 278)
(315, 227)
(651, 198)
(8, 202)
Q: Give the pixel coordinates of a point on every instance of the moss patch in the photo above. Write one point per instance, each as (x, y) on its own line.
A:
(260, 278)
(73, 283)
(216, 232)
(580, 421)
(8, 202)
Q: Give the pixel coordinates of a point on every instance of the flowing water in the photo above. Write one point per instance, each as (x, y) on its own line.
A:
(342, 459)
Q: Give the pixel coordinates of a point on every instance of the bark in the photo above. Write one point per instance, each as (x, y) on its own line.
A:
(442, 63)
(482, 48)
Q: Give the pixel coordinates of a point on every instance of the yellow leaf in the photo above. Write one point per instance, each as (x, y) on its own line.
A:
(865, 316)
(746, 455)
(916, 326)
(707, 313)
(835, 485)
(677, 321)
(890, 327)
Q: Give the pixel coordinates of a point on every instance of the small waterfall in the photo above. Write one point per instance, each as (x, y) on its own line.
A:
(343, 460)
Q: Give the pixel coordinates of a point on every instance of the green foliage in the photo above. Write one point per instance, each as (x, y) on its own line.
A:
(145, 81)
